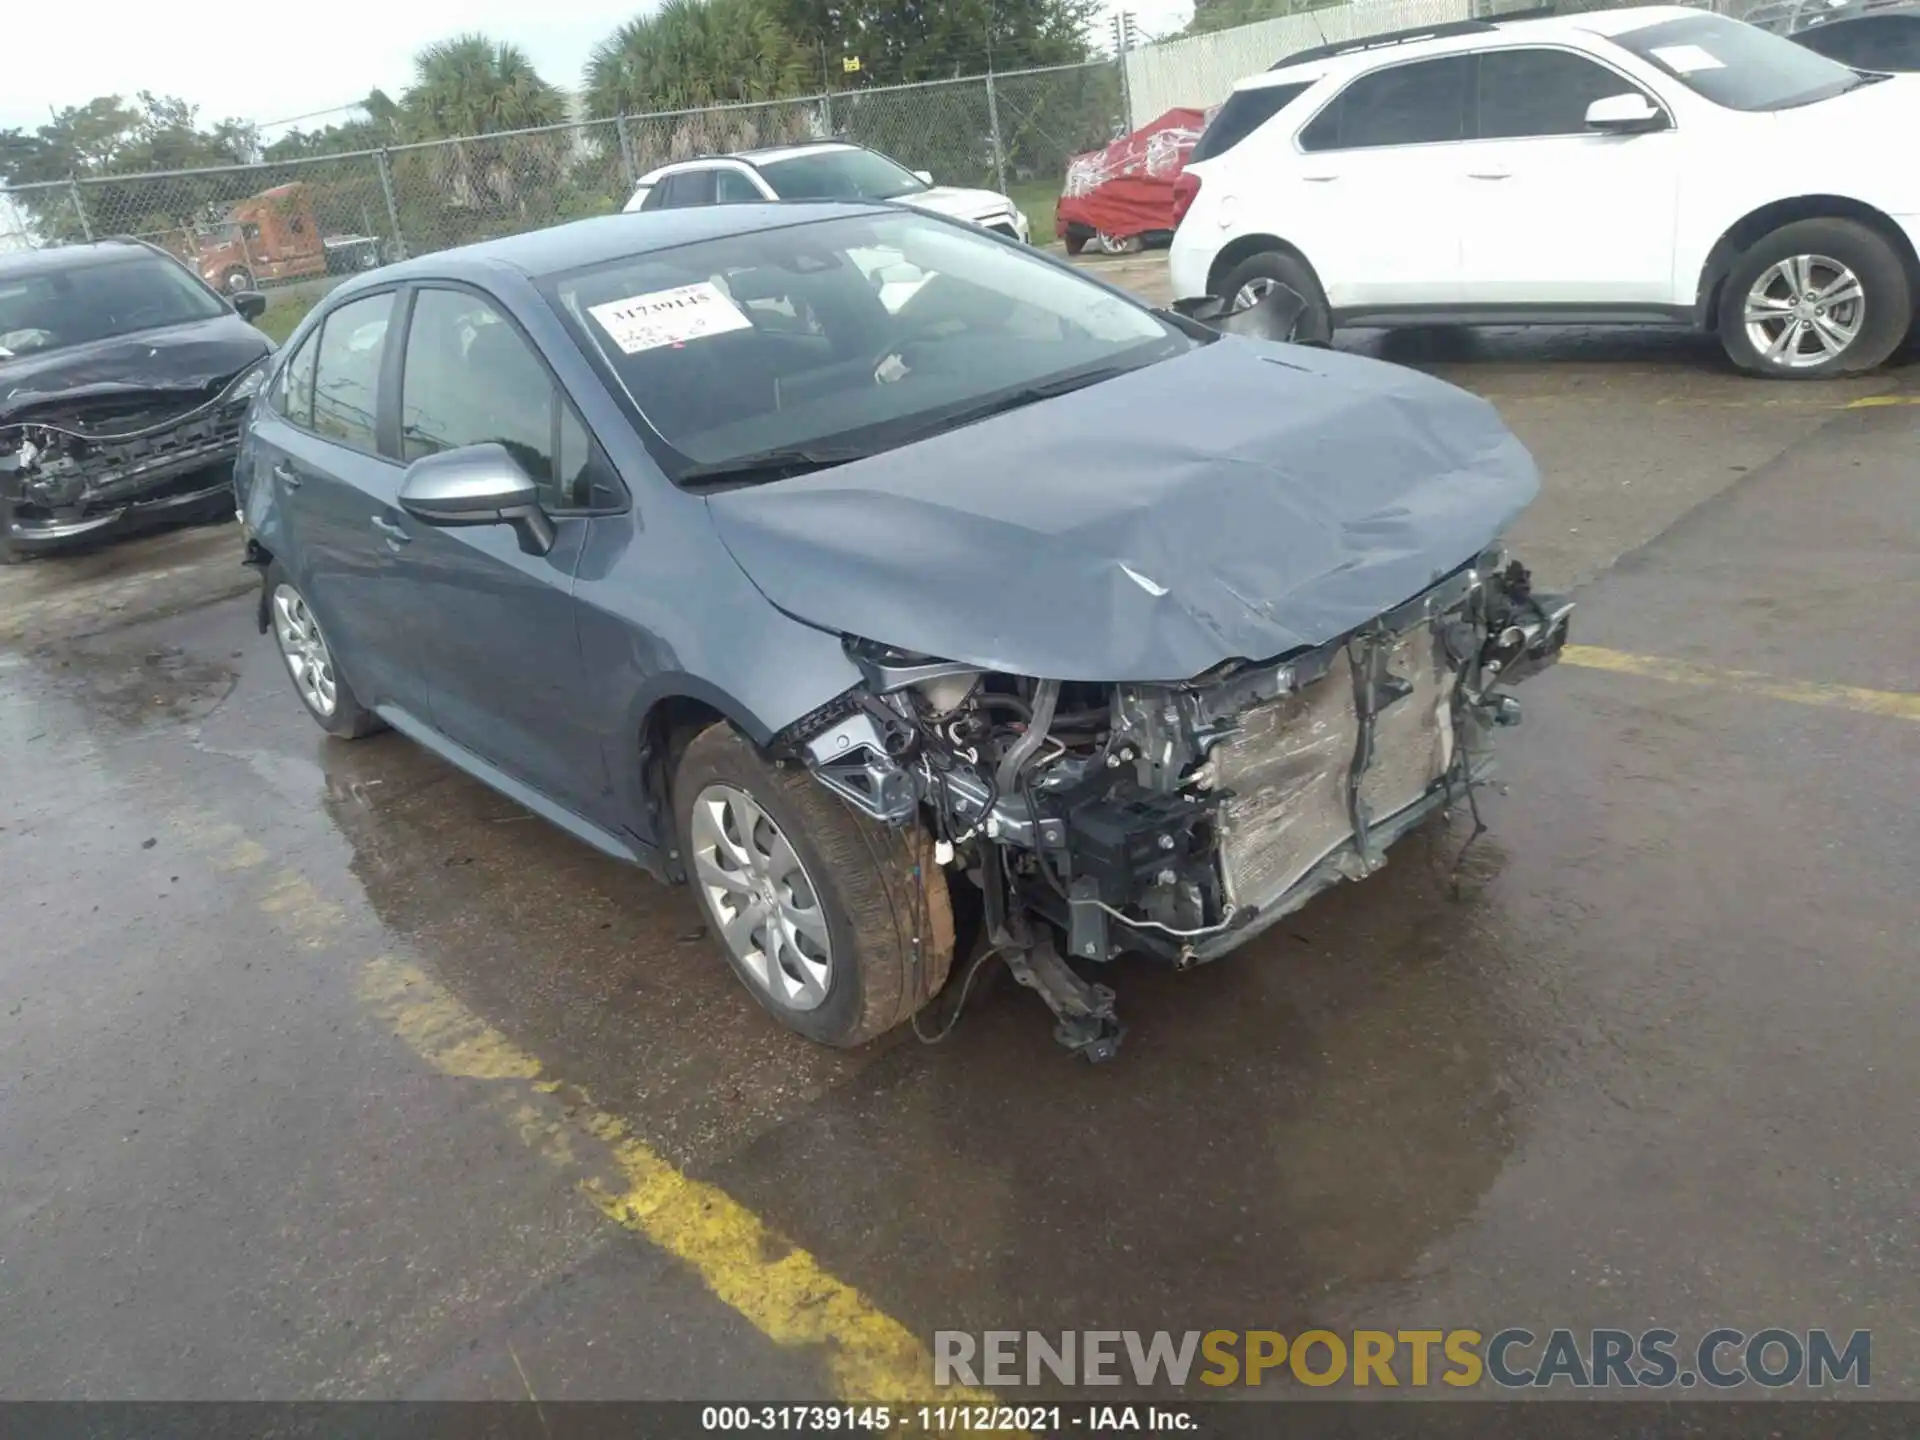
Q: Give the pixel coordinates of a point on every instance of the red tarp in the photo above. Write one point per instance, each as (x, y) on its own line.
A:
(1127, 188)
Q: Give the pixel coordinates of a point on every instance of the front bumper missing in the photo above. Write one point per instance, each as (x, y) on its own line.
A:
(1366, 738)
(119, 483)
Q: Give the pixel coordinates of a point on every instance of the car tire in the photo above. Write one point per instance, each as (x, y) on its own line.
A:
(310, 663)
(1118, 244)
(872, 893)
(9, 555)
(1247, 281)
(234, 279)
(1814, 257)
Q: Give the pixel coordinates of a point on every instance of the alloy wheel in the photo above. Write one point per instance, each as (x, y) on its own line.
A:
(305, 650)
(760, 898)
(1804, 310)
(1253, 292)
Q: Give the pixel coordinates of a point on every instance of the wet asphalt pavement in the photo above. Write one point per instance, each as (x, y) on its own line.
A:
(319, 1063)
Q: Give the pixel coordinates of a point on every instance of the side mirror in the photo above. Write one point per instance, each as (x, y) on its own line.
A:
(1625, 114)
(477, 485)
(250, 303)
(925, 177)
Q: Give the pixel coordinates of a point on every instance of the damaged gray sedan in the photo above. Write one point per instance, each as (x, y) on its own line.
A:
(889, 583)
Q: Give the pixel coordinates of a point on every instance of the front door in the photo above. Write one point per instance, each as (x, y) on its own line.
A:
(1377, 187)
(1557, 214)
(499, 646)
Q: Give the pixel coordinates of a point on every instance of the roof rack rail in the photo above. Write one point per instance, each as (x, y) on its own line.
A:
(1391, 37)
(1360, 44)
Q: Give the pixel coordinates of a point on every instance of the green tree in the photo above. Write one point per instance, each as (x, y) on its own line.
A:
(471, 85)
(1211, 15)
(691, 53)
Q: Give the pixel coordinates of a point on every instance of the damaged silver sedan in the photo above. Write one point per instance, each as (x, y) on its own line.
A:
(123, 382)
(889, 584)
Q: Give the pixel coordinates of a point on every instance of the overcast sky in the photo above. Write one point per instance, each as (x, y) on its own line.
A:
(274, 61)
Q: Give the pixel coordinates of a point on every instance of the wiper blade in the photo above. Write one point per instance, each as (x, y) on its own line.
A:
(772, 464)
(1027, 395)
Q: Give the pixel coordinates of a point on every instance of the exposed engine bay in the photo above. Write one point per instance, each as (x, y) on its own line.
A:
(69, 470)
(1182, 819)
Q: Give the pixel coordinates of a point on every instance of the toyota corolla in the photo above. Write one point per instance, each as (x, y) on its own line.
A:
(856, 567)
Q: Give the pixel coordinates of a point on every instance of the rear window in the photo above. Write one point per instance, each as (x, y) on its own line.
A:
(1245, 112)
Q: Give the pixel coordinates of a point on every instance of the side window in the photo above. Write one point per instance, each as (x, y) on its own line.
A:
(1540, 92)
(1244, 112)
(733, 188)
(470, 378)
(1415, 104)
(689, 187)
(292, 395)
(1875, 42)
(346, 379)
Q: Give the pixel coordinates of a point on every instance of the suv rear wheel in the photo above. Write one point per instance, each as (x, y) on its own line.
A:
(1254, 278)
(1815, 299)
(840, 927)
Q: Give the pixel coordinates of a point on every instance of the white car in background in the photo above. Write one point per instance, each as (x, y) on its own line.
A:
(820, 170)
(1652, 165)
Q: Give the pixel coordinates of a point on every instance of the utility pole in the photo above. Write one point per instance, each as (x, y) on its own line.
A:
(1126, 35)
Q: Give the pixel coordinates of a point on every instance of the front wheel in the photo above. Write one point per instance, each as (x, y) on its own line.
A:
(1813, 300)
(1256, 277)
(841, 927)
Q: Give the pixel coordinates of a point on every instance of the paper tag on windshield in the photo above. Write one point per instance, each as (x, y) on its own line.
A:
(1685, 59)
(669, 317)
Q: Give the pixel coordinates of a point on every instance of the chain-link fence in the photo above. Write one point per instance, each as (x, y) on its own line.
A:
(298, 220)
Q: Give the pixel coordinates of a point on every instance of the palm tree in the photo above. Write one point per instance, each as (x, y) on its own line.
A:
(692, 53)
(473, 86)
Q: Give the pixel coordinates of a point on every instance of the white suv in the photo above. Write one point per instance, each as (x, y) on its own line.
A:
(820, 170)
(1654, 165)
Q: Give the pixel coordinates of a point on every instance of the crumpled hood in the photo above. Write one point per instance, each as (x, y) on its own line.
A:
(181, 358)
(1238, 502)
(958, 203)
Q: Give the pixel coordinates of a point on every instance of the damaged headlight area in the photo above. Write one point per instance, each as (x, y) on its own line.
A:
(1182, 819)
(74, 468)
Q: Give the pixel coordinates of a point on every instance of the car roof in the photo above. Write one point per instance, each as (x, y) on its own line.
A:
(765, 155)
(74, 257)
(1364, 52)
(539, 253)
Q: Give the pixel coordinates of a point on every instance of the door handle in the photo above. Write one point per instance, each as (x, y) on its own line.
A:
(395, 533)
(1489, 174)
(287, 475)
(1321, 179)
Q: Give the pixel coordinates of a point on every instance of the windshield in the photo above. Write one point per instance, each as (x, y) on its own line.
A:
(839, 175)
(54, 309)
(848, 335)
(1738, 66)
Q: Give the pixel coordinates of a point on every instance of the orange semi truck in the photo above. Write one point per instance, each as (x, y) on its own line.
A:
(273, 237)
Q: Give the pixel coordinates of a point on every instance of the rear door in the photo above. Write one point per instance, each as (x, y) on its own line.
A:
(1378, 188)
(323, 456)
(500, 651)
(1555, 213)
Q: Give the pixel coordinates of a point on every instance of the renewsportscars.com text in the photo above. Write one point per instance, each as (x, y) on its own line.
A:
(1512, 1359)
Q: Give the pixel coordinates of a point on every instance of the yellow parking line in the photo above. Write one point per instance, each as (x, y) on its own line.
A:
(1872, 401)
(1899, 704)
(782, 1290)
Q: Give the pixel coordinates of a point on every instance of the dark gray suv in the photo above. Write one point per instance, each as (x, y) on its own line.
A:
(862, 569)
